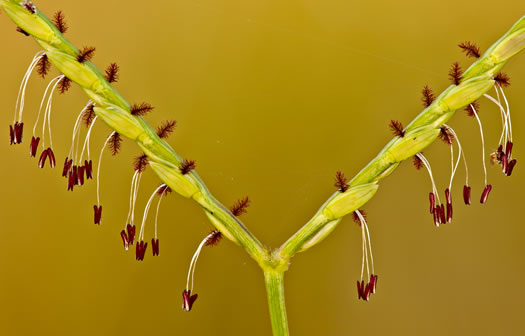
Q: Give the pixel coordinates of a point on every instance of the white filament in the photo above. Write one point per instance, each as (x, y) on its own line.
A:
(87, 140)
(482, 141)
(146, 211)
(193, 263)
(131, 198)
(366, 251)
(427, 165)
(504, 120)
(20, 100)
(53, 83)
(98, 168)
(157, 212)
(462, 153)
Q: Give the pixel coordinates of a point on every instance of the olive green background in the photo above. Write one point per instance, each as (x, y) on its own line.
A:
(272, 98)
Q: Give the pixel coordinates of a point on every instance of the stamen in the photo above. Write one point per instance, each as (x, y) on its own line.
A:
(473, 108)
(212, 236)
(146, 211)
(98, 207)
(363, 291)
(434, 194)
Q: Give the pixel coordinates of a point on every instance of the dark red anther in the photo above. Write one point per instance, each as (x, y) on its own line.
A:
(70, 181)
(124, 239)
(373, 283)
(504, 163)
(188, 300)
(485, 194)
(11, 135)
(140, 250)
(74, 172)
(447, 196)
(432, 200)
(499, 152)
(89, 169)
(18, 131)
(98, 213)
(42, 159)
(155, 246)
(360, 289)
(466, 194)
(34, 146)
(449, 212)
(435, 213)
(508, 149)
(67, 166)
(131, 233)
(80, 176)
(52, 161)
(510, 167)
(443, 218)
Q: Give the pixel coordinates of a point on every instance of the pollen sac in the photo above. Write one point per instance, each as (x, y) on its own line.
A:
(508, 149)
(16, 132)
(88, 165)
(80, 176)
(504, 163)
(124, 237)
(71, 181)
(67, 166)
(51, 155)
(373, 283)
(34, 146)
(449, 205)
(140, 250)
(155, 246)
(485, 194)
(98, 213)
(466, 194)
(510, 167)
(42, 159)
(432, 200)
(188, 300)
(131, 233)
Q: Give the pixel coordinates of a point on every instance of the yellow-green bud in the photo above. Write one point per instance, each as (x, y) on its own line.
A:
(171, 175)
(120, 120)
(413, 142)
(349, 201)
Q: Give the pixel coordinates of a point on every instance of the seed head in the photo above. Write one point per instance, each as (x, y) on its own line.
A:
(114, 143)
(428, 96)
(186, 166)
(166, 128)
(65, 84)
(455, 73)
(239, 208)
(141, 163)
(60, 23)
(141, 109)
(445, 134)
(214, 238)
(470, 49)
(341, 182)
(397, 128)
(112, 73)
(86, 54)
(502, 79)
(43, 65)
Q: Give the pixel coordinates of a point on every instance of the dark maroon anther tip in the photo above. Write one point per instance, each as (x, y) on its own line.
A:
(510, 167)
(508, 149)
(435, 213)
(52, 160)
(18, 130)
(155, 246)
(367, 292)
(80, 176)
(504, 163)
(11, 135)
(43, 158)
(188, 300)
(447, 196)
(74, 172)
(89, 169)
(124, 239)
(140, 250)
(485, 194)
(466, 194)
(70, 181)
(67, 165)
(33, 146)
(432, 200)
(449, 212)
(360, 289)
(443, 218)
(98, 213)
(131, 233)
(373, 283)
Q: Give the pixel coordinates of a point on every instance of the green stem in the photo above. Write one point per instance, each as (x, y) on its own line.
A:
(275, 290)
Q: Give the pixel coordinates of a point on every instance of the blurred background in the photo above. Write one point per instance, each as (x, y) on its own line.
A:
(271, 99)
